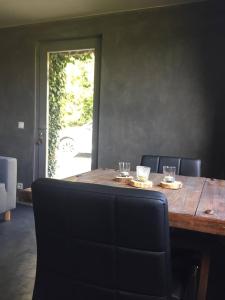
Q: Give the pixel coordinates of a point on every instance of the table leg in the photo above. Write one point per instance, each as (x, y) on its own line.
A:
(204, 274)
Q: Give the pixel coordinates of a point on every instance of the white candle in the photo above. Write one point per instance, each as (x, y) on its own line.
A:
(169, 178)
(124, 173)
(142, 178)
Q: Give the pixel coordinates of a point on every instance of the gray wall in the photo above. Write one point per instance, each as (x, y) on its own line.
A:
(161, 90)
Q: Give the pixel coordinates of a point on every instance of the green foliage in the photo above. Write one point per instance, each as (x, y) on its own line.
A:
(57, 80)
(70, 95)
(79, 90)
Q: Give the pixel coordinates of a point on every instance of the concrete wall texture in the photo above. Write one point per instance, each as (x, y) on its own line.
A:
(161, 89)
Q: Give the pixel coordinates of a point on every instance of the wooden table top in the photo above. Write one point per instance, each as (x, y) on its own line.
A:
(199, 205)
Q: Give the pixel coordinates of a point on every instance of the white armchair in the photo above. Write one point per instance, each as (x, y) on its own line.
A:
(8, 182)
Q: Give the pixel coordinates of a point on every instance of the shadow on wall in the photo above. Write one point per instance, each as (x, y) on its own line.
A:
(213, 59)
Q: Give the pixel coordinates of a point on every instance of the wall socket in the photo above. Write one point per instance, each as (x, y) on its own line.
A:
(19, 185)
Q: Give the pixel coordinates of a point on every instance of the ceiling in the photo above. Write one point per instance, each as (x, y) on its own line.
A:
(21, 12)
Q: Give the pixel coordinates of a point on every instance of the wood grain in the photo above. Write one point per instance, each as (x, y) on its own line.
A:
(125, 180)
(203, 278)
(171, 185)
(140, 184)
(188, 206)
(212, 205)
(182, 201)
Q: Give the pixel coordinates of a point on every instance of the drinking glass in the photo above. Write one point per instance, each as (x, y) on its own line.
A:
(142, 173)
(169, 173)
(124, 168)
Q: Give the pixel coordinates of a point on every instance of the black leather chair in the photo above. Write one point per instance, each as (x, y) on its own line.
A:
(184, 166)
(180, 238)
(98, 242)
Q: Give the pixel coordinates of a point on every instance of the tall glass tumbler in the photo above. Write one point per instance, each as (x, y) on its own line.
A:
(142, 173)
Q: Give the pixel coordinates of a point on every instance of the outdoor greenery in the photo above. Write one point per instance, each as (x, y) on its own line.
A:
(70, 95)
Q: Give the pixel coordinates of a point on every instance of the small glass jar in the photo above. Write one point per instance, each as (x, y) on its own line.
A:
(124, 168)
(169, 173)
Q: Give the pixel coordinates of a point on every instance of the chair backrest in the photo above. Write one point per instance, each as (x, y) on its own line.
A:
(184, 166)
(151, 161)
(98, 242)
(169, 161)
(190, 167)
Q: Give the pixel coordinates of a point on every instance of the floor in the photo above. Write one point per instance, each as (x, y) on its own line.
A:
(18, 259)
(17, 255)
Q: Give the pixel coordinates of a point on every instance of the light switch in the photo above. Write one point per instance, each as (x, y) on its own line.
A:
(21, 125)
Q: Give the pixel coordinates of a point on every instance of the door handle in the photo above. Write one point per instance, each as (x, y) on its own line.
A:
(40, 137)
(39, 141)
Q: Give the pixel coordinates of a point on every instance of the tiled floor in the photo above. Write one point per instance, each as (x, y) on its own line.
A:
(18, 259)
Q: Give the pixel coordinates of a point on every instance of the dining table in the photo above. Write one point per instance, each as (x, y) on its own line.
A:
(197, 206)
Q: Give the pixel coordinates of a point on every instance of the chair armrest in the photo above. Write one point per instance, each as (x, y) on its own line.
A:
(8, 175)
